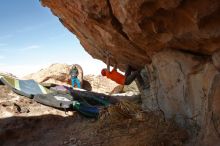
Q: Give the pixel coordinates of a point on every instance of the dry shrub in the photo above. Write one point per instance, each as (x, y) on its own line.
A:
(151, 128)
(123, 110)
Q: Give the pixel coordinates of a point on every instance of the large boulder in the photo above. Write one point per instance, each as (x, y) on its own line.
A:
(132, 31)
(186, 88)
(56, 74)
(104, 85)
(99, 84)
(59, 74)
(175, 41)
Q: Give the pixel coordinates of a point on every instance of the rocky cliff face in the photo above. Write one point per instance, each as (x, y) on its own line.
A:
(138, 29)
(185, 87)
(177, 42)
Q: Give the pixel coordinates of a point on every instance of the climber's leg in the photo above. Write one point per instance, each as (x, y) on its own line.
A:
(78, 83)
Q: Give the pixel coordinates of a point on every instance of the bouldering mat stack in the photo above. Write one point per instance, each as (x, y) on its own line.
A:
(57, 100)
(66, 101)
(53, 98)
(27, 88)
(86, 109)
(90, 97)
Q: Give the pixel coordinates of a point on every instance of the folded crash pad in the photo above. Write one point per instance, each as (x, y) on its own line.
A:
(58, 100)
(66, 101)
(26, 88)
(90, 97)
(86, 109)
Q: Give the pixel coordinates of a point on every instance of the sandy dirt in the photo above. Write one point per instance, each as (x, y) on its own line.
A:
(23, 122)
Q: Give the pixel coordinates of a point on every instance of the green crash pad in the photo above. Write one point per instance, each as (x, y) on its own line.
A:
(26, 88)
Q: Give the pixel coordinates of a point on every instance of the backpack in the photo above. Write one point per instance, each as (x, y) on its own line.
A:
(74, 72)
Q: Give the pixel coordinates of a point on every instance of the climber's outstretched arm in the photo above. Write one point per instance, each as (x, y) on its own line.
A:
(115, 66)
(108, 63)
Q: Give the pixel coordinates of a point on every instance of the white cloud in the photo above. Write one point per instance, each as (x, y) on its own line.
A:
(89, 67)
(21, 70)
(2, 64)
(57, 36)
(33, 27)
(31, 47)
(26, 29)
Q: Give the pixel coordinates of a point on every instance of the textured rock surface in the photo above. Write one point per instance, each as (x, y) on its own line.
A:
(185, 87)
(176, 40)
(132, 31)
(100, 84)
(216, 59)
(104, 85)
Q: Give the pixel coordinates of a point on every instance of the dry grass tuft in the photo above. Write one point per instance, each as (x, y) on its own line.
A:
(122, 110)
(149, 128)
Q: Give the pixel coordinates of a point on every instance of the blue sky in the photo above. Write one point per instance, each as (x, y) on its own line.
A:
(32, 38)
